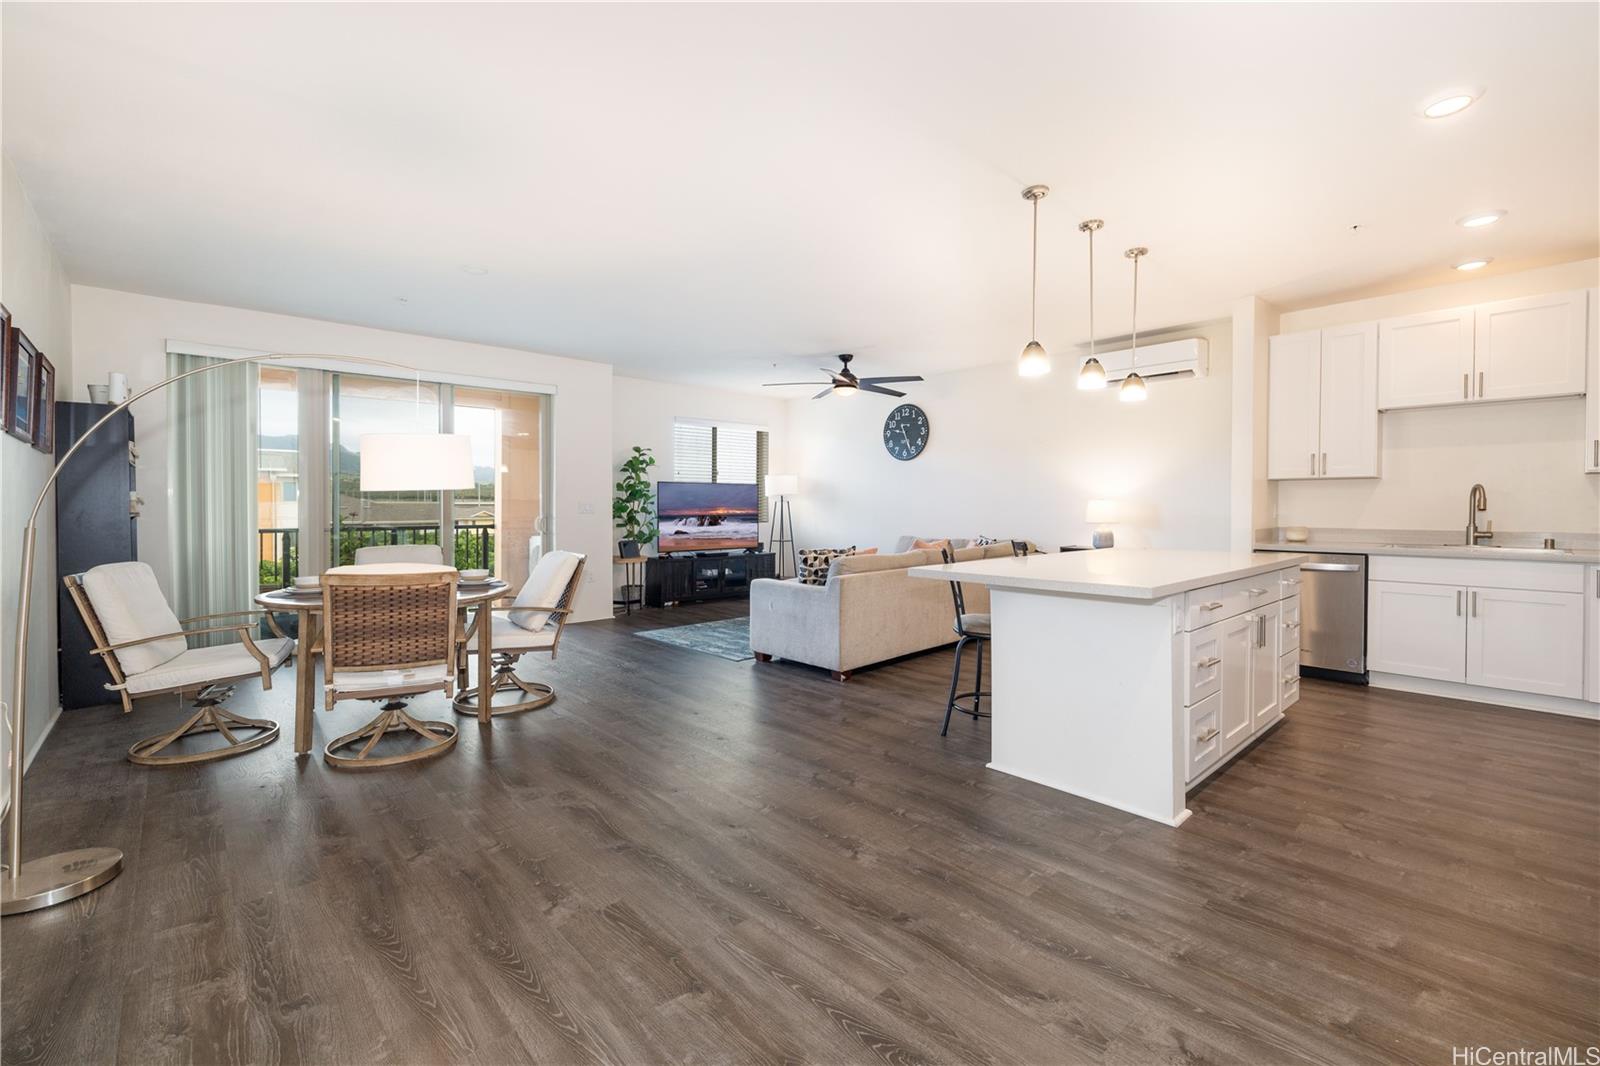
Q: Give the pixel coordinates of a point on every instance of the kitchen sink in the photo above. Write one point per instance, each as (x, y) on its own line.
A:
(1505, 549)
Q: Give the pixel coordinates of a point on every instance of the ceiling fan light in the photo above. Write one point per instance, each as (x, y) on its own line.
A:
(1133, 389)
(1092, 376)
(1035, 363)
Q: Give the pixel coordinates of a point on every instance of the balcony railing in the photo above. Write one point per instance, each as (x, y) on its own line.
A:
(280, 548)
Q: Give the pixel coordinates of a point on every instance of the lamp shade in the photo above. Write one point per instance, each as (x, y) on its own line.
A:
(782, 485)
(1100, 512)
(397, 462)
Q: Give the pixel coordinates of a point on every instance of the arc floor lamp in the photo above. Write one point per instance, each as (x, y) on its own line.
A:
(52, 879)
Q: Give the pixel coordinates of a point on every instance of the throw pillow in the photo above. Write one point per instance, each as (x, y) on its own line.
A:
(866, 551)
(934, 545)
(984, 542)
(814, 563)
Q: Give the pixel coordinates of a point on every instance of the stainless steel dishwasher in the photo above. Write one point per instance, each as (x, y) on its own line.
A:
(1333, 617)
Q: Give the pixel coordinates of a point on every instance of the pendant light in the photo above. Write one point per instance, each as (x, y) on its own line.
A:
(1034, 361)
(1133, 388)
(1092, 375)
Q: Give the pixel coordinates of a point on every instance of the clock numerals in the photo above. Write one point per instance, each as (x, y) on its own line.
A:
(905, 432)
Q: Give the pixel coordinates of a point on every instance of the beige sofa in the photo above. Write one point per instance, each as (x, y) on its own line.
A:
(869, 611)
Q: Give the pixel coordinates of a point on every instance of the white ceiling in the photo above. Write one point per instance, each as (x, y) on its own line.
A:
(725, 193)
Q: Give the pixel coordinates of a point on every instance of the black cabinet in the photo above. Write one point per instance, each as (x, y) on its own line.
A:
(691, 578)
(94, 525)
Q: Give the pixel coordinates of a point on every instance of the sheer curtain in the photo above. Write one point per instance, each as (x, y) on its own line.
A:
(212, 479)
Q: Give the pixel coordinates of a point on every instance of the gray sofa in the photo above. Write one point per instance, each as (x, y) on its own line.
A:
(869, 611)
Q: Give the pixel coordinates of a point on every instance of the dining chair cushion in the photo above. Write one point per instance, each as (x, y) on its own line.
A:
(506, 635)
(543, 588)
(424, 678)
(202, 666)
(401, 553)
(129, 604)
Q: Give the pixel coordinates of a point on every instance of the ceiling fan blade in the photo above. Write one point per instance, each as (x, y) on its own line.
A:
(834, 374)
(825, 392)
(776, 384)
(884, 381)
(865, 387)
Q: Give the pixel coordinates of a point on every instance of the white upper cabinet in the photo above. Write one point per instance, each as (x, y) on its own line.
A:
(1322, 403)
(1425, 359)
(1591, 409)
(1349, 402)
(1294, 390)
(1520, 349)
(1535, 346)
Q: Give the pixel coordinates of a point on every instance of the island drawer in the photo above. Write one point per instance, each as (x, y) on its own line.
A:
(1288, 582)
(1289, 673)
(1203, 661)
(1214, 603)
(1289, 628)
(1203, 736)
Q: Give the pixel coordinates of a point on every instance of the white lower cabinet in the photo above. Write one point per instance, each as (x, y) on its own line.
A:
(1266, 690)
(1417, 630)
(1237, 639)
(1514, 626)
(1526, 641)
(1203, 739)
(1591, 635)
(1289, 679)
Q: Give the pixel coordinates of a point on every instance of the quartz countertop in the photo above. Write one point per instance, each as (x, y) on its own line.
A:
(1437, 551)
(1112, 573)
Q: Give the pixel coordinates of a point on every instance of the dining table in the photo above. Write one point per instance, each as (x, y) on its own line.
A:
(306, 605)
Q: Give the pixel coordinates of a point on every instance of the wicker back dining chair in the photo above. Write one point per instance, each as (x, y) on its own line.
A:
(145, 647)
(533, 623)
(389, 633)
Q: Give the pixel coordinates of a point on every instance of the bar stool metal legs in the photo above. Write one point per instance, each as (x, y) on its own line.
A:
(956, 699)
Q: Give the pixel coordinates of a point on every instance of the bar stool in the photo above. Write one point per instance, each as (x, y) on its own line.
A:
(974, 628)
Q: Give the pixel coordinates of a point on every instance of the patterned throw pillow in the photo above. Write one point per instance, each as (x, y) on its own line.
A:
(814, 563)
(984, 542)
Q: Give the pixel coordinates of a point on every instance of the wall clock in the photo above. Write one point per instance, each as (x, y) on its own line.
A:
(905, 432)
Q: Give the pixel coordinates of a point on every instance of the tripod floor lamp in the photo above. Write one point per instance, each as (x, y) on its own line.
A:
(52, 879)
(780, 487)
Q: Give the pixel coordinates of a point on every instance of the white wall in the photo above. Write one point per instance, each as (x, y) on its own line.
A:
(34, 288)
(123, 331)
(1015, 458)
(1527, 454)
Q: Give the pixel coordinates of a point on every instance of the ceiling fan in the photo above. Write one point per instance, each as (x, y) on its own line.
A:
(845, 382)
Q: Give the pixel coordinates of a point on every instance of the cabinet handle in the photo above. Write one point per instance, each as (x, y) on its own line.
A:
(1313, 464)
(1597, 453)
(1458, 603)
(1261, 632)
(1257, 592)
(1212, 606)
(1291, 680)
(1464, 386)
(1480, 384)
(1207, 735)
(1473, 597)
(1324, 464)
(1291, 581)
(1206, 664)
(1291, 625)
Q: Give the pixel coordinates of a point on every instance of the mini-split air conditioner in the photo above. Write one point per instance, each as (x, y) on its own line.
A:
(1187, 358)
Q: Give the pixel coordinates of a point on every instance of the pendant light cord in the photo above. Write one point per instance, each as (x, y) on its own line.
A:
(1091, 294)
(1133, 348)
(1033, 312)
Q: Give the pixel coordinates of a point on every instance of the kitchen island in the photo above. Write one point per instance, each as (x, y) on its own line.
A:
(1127, 676)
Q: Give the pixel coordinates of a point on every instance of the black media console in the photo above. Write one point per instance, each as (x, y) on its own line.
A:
(693, 578)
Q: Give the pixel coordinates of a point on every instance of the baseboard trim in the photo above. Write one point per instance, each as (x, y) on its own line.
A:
(27, 762)
(1526, 701)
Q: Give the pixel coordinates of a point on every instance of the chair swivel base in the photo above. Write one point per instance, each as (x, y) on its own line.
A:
(525, 696)
(209, 717)
(52, 879)
(440, 737)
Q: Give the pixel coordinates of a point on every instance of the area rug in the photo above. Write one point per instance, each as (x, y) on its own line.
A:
(728, 638)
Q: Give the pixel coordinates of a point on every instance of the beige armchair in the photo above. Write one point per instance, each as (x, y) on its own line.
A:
(533, 623)
(146, 649)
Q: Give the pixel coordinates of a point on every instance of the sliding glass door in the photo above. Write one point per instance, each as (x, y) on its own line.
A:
(362, 405)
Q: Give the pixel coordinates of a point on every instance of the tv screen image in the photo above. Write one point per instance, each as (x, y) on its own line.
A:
(699, 516)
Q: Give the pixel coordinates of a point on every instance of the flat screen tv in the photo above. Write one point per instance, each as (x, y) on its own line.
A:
(696, 516)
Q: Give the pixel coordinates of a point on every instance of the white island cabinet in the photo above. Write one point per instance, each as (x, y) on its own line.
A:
(1125, 676)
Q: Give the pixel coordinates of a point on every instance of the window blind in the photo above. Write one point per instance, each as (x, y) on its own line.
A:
(702, 451)
(691, 452)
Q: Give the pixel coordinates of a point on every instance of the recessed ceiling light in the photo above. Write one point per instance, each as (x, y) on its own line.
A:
(1480, 218)
(1449, 105)
(1474, 264)
(475, 271)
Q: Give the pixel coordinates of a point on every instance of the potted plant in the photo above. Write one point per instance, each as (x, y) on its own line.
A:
(633, 507)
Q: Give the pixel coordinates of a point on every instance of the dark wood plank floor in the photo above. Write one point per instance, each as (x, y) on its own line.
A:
(689, 859)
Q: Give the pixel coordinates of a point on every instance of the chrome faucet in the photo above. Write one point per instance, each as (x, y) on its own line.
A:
(1478, 500)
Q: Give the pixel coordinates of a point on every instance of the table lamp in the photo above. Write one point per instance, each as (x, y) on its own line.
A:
(1100, 514)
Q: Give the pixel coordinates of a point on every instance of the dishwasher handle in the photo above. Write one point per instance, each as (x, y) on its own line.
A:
(1332, 568)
